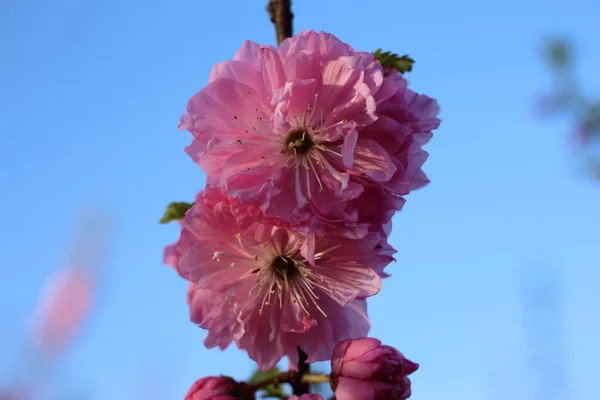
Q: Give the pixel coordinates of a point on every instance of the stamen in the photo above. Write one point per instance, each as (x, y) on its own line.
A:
(238, 236)
(330, 249)
(332, 171)
(325, 128)
(307, 169)
(333, 152)
(264, 301)
(315, 172)
(312, 108)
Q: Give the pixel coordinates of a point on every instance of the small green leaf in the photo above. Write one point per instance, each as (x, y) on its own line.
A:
(591, 119)
(259, 375)
(271, 390)
(175, 211)
(391, 60)
(559, 53)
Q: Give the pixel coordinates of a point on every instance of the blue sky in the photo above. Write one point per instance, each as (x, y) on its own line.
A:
(90, 97)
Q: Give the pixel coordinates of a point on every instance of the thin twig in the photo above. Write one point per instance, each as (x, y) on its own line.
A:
(293, 378)
(281, 16)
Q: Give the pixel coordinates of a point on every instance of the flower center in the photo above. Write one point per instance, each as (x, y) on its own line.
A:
(300, 141)
(285, 268)
(287, 279)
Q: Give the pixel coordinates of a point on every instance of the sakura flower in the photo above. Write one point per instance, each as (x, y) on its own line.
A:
(270, 288)
(299, 129)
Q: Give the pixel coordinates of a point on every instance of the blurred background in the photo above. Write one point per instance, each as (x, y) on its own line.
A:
(494, 292)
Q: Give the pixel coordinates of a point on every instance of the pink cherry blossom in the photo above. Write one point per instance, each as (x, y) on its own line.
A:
(313, 131)
(308, 396)
(364, 369)
(219, 388)
(270, 288)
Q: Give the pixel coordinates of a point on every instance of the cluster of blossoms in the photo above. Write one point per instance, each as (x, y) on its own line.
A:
(308, 149)
(361, 369)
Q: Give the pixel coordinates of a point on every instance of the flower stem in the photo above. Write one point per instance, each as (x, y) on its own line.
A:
(315, 378)
(289, 377)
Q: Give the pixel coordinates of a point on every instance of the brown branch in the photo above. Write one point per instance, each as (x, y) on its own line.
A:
(281, 16)
(299, 386)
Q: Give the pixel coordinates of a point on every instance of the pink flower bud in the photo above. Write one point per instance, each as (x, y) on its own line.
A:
(308, 396)
(364, 369)
(219, 388)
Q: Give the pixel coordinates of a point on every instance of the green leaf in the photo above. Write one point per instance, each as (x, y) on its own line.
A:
(591, 119)
(391, 60)
(271, 390)
(559, 53)
(175, 211)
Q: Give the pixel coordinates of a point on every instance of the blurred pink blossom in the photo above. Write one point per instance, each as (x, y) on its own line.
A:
(596, 169)
(66, 301)
(582, 134)
(68, 296)
(13, 394)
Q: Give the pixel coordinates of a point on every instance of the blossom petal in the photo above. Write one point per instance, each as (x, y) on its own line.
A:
(347, 283)
(273, 74)
(373, 160)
